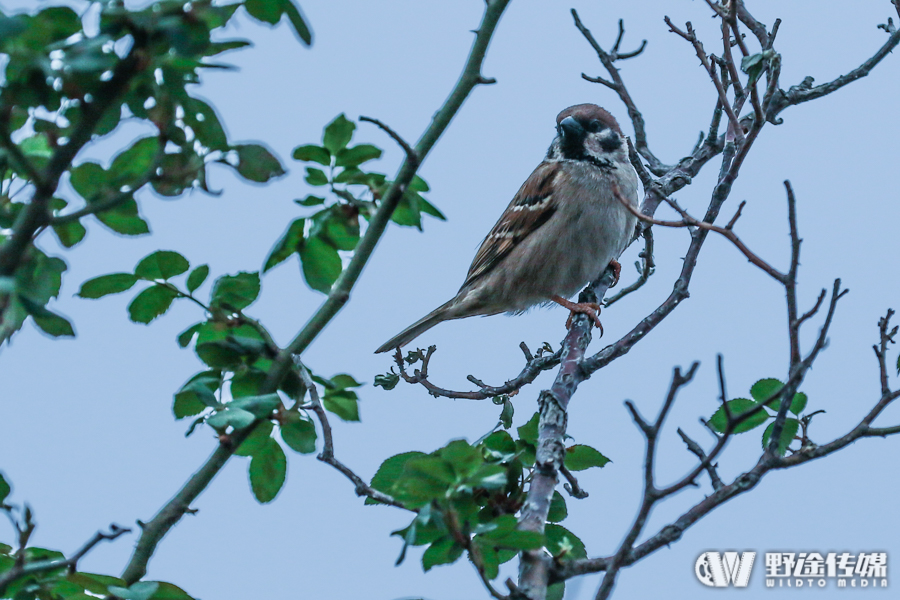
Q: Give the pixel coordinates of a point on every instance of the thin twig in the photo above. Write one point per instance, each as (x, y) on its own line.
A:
(411, 155)
(327, 454)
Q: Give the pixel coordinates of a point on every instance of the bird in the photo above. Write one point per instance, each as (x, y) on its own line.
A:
(564, 226)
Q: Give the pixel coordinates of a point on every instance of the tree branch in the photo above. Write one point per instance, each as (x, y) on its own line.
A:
(550, 453)
(172, 511)
(340, 292)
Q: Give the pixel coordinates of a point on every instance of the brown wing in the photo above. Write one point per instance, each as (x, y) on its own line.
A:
(532, 206)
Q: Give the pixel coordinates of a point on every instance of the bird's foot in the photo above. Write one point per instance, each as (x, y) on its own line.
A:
(584, 308)
(617, 270)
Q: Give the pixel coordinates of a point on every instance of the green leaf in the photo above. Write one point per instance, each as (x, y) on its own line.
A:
(234, 417)
(247, 382)
(343, 381)
(311, 201)
(168, 591)
(185, 337)
(202, 118)
(260, 407)
(197, 277)
(257, 440)
(501, 444)
(92, 582)
(36, 146)
(142, 590)
(297, 21)
(48, 322)
(529, 431)
(134, 162)
(187, 404)
(355, 156)
(429, 209)
(390, 472)
(69, 233)
(235, 292)
(443, 551)
(197, 394)
(791, 427)
(462, 458)
(556, 591)
(558, 510)
(343, 404)
(151, 303)
(798, 403)
(312, 153)
(737, 407)
(268, 11)
(5, 488)
(124, 219)
(321, 264)
(562, 543)
(505, 535)
(388, 381)
(88, 179)
(298, 433)
(506, 415)
(338, 134)
(764, 389)
(580, 457)
(268, 469)
(342, 230)
(316, 177)
(114, 283)
(162, 264)
(287, 245)
(256, 163)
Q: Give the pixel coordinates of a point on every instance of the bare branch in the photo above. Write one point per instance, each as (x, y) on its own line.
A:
(411, 156)
(695, 449)
(327, 454)
(534, 366)
(618, 85)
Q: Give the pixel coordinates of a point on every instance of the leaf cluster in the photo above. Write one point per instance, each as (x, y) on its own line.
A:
(764, 393)
(467, 498)
(319, 238)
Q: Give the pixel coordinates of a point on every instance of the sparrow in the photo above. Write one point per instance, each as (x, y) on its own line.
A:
(564, 226)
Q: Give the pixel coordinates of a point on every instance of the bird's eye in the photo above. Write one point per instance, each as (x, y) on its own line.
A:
(594, 126)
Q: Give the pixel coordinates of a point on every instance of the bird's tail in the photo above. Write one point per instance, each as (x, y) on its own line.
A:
(418, 328)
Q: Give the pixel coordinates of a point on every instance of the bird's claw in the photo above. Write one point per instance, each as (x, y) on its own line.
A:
(590, 309)
(617, 270)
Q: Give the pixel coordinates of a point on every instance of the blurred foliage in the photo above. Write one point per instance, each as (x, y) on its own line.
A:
(69, 81)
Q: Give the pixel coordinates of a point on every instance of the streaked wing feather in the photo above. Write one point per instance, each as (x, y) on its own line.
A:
(532, 206)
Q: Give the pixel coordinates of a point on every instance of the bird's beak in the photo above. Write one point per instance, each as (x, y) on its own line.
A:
(570, 129)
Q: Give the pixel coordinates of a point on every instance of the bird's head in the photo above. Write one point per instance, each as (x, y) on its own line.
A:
(587, 132)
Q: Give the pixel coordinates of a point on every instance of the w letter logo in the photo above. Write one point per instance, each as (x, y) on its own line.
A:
(715, 570)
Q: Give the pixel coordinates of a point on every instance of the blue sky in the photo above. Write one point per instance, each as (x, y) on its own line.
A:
(87, 436)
